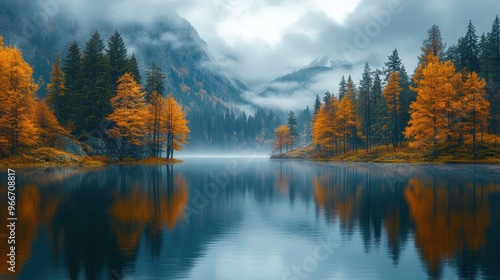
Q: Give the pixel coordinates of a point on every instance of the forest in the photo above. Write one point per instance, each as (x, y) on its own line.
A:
(98, 104)
(450, 105)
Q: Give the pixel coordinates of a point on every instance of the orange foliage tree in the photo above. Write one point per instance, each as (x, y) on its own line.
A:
(18, 99)
(348, 121)
(325, 130)
(283, 139)
(177, 130)
(391, 94)
(474, 106)
(129, 114)
(434, 111)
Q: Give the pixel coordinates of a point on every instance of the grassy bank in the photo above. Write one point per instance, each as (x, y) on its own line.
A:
(382, 154)
(47, 157)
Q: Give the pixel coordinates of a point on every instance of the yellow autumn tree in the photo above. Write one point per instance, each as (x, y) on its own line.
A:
(474, 106)
(348, 122)
(325, 130)
(176, 124)
(49, 127)
(434, 111)
(283, 139)
(391, 95)
(129, 113)
(18, 102)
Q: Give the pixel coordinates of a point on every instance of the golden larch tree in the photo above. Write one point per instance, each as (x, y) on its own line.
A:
(176, 124)
(391, 95)
(474, 106)
(325, 130)
(283, 139)
(432, 114)
(348, 122)
(18, 99)
(129, 113)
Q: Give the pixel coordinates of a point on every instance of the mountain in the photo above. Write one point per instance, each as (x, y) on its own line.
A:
(194, 79)
(300, 87)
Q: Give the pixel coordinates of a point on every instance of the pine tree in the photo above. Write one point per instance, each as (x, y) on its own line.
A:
(342, 88)
(71, 102)
(393, 64)
(406, 98)
(56, 88)
(117, 56)
(493, 88)
(129, 114)
(96, 90)
(470, 50)
(292, 125)
(133, 68)
(391, 94)
(154, 80)
(365, 104)
(317, 104)
(381, 118)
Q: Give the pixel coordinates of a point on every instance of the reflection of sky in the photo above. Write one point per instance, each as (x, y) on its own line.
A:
(253, 231)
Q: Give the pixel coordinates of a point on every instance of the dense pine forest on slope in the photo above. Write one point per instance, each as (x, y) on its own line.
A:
(449, 108)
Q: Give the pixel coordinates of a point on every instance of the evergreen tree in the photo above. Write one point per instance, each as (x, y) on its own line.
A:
(470, 50)
(292, 124)
(391, 94)
(365, 104)
(493, 87)
(154, 80)
(71, 102)
(133, 68)
(96, 90)
(317, 105)
(117, 55)
(380, 115)
(394, 64)
(406, 98)
(342, 88)
(56, 88)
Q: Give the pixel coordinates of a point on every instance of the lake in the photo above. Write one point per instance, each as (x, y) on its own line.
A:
(237, 218)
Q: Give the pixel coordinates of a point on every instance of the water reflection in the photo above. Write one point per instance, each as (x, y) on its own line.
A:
(157, 222)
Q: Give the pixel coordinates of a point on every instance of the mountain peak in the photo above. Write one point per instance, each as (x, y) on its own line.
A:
(327, 62)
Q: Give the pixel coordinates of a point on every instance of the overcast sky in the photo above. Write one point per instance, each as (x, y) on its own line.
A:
(260, 40)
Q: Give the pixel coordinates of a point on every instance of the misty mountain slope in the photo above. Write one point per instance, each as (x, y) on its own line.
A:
(191, 75)
(172, 42)
(296, 89)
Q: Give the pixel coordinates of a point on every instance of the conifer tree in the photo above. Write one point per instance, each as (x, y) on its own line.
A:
(154, 80)
(56, 88)
(133, 68)
(365, 104)
(177, 129)
(292, 125)
(96, 90)
(71, 102)
(117, 56)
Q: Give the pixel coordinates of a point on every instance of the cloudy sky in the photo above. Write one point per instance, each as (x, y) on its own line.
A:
(260, 40)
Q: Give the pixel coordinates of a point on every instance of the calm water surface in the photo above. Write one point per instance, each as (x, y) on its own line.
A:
(256, 219)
